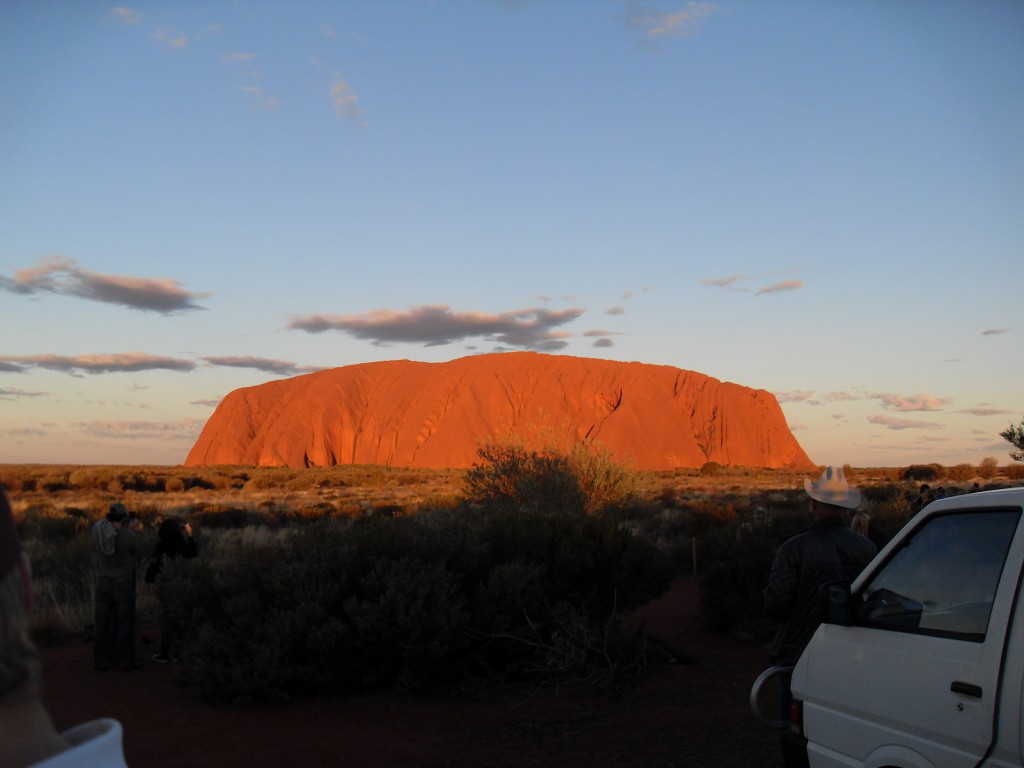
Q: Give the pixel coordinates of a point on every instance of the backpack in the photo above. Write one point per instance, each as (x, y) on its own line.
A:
(106, 537)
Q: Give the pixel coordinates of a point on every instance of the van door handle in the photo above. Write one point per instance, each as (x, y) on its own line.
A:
(967, 689)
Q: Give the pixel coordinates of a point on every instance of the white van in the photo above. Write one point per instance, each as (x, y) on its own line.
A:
(920, 662)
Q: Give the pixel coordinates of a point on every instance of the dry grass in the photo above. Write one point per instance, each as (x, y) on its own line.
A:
(40, 491)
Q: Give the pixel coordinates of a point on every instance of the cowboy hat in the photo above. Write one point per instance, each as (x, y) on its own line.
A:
(832, 488)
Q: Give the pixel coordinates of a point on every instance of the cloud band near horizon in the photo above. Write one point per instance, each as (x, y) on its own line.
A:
(531, 328)
(127, 362)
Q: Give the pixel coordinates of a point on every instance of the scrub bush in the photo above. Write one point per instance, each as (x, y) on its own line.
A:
(960, 472)
(491, 593)
(923, 472)
(585, 479)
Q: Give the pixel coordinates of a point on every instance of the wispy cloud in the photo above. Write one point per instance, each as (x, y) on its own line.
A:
(261, 99)
(175, 40)
(126, 16)
(532, 328)
(13, 394)
(63, 276)
(733, 283)
(344, 101)
(23, 432)
(629, 294)
(327, 30)
(785, 285)
(660, 25)
(602, 339)
(890, 422)
(134, 430)
(171, 39)
(994, 331)
(985, 410)
(796, 396)
(211, 403)
(840, 397)
(727, 282)
(92, 364)
(912, 402)
(281, 367)
(615, 311)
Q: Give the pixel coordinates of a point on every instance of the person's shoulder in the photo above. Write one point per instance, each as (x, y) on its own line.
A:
(97, 743)
(796, 540)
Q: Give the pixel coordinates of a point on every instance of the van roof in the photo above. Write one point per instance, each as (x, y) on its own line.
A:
(1003, 497)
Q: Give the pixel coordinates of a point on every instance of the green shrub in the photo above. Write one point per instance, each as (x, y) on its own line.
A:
(603, 481)
(922, 472)
(584, 479)
(712, 469)
(734, 566)
(510, 477)
(404, 601)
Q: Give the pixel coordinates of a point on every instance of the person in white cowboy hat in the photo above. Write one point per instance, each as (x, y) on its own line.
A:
(27, 734)
(826, 552)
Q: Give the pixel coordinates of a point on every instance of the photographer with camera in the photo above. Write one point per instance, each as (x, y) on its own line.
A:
(173, 538)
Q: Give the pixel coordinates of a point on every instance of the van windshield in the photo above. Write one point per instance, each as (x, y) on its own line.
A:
(944, 579)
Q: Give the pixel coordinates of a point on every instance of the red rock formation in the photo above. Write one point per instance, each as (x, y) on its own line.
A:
(408, 414)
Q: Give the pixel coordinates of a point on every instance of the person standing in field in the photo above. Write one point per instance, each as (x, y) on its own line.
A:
(28, 738)
(826, 552)
(173, 539)
(116, 552)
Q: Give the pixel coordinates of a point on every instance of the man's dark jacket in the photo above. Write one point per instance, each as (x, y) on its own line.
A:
(825, 552)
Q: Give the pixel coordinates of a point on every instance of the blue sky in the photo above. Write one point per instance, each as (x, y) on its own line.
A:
(820, 199)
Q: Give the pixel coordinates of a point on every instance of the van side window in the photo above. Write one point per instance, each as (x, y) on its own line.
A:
(944, 579)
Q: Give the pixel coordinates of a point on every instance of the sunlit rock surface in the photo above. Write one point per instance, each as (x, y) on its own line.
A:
(435, 415)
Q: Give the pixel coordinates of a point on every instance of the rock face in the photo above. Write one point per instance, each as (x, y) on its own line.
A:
(408, 414)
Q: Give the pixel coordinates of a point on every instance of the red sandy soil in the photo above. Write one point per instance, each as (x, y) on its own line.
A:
(678, 714)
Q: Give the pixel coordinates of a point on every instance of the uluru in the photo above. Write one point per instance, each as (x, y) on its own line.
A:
(436, 415)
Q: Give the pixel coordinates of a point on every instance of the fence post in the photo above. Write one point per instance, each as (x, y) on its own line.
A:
(694, 556)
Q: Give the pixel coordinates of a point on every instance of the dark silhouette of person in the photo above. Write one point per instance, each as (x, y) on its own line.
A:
(826, 552)
(27, 733)
(116, 552)
(173, 539)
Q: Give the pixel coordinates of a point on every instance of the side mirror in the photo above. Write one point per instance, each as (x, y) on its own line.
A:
(838, 604)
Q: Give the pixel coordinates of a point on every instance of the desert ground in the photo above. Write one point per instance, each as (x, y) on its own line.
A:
(689, 707)
(689, 713)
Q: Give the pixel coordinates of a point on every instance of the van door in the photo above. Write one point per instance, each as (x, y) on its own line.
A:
(914, 681)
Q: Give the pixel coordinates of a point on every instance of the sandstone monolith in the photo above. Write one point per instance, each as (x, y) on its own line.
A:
(435, 415)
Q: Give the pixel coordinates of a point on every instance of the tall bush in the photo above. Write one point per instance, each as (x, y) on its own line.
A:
(584, 479)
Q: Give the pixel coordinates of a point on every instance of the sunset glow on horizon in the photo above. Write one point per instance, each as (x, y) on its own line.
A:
(821, 200)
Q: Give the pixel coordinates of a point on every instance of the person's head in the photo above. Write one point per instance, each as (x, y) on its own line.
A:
(831, 495)
(18, 656)
(170, 531)
(118, 513)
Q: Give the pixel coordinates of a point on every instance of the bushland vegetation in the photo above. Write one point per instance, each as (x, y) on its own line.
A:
(523, 567)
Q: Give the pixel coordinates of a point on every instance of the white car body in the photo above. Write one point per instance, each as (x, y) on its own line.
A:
(924, 666)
